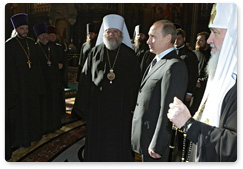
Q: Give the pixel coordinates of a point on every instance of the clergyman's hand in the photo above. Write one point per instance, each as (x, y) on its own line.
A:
(153, 154)
(178, 113)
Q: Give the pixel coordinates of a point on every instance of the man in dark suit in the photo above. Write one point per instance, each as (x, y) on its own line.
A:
(151, 130)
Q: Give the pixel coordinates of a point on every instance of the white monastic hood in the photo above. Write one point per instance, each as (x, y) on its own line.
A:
(117, 22)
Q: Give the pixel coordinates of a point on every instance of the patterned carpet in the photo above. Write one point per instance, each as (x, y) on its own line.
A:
(64, 145)
(70, 128)
(51, 144)
(54, 147)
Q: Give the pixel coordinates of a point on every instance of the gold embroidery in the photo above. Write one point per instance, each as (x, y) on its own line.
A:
(198, 114)
(213, 13)
(206, 121)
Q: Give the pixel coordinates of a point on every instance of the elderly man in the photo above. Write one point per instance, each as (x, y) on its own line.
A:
(51, 117)
(165, 78)
(213, 129)
(107, 93)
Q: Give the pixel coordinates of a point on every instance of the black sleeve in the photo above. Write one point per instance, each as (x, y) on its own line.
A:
(218, 143)
(192, 67)
(81, 105)
(146, 60)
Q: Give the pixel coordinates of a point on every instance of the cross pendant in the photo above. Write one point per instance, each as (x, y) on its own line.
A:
(29, 62)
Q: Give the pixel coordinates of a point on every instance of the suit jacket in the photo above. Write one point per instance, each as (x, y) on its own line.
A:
(150, 126)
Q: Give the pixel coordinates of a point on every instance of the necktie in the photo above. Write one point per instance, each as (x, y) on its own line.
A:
(154, 62)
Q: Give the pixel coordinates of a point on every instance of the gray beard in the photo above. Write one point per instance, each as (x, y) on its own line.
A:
(43, 42)
(91, 42)
(212, 64)
(112, 45)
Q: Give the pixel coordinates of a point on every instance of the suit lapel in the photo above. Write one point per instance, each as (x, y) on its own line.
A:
(157, 66)
(153, 70)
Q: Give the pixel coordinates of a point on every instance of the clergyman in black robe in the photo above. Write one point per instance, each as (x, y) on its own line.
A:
(203, 55)
(108, 104)
(51, 117)
(62, 65)
(92, 32)
(140, 46)
(24, 86)
(191, 62)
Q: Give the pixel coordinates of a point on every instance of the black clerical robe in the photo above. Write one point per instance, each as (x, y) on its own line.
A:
(106, 106)
(51, 117)
(203, 58)
(191, 62)
(146, 60)
(62, 59)
(140, 50)
(217, 144)
(24, 86)
(85, 49)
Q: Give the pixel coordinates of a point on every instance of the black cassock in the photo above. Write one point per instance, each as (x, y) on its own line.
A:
(85, 49)
(217, 144)
(62, 58)
(107, 107)
(51, 117)
(24, 86)
(146, 60)
(140, 51)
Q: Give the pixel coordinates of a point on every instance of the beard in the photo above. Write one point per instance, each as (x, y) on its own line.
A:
(212, 63)
(44, 41)
(112, 45)
(200, 48)
(23, 35)
(91, 42)
(197, 47)
(139, 42)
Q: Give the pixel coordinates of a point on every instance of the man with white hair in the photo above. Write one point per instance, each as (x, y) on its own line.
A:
(107, 93)
(213, 129)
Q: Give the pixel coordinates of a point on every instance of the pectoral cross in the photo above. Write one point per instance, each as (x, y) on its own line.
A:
(29, 62)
